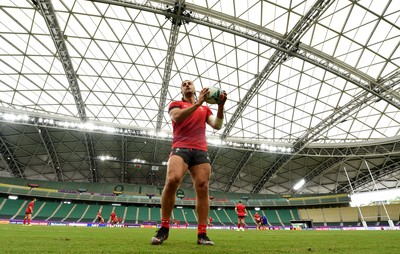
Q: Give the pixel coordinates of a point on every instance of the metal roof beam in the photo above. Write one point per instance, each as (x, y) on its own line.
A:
(320, 169)
(47, 10)
(264, 36)
(51, 151)
(179, 11)
(91, 158)
(239, 167)
(356, 104)
(291, 43)
(124, 153)
(6, 155)
(360, 181)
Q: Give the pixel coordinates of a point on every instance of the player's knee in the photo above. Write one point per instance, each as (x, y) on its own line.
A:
(172, 182)
(202, 187)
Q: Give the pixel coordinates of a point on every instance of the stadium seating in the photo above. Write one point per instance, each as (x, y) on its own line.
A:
(285, 216)
(131, 214)
(90, 213)
(45, 211)
(76, 213)
(11, 207)
(220, 216)
(136, 207)
(272, 217)
(178, 215)
(61, 212)
(143, 214)
(155, 214)
(190, 215)
(332, 216)
(349, 216)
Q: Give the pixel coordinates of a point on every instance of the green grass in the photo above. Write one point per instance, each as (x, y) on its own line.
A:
(53, 239)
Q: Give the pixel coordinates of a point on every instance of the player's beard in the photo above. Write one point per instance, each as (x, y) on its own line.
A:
(189, 94)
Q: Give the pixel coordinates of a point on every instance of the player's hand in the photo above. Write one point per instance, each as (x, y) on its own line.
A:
(224, 97)
(202, 96)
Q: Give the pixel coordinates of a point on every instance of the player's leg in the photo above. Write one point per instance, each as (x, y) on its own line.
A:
(29, 219)
(201, 176)
(25, 218)
(176, 169)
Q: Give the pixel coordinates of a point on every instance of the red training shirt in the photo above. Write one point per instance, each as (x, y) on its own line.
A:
(190, 133)
(29, 209)
(240, 209)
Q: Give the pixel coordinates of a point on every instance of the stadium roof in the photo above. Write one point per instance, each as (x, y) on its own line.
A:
(313, 87)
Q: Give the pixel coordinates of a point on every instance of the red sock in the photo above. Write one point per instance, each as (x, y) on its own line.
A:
(238, 225)
(29, 221)
(201, 229)
(24, 221)
(165, 223)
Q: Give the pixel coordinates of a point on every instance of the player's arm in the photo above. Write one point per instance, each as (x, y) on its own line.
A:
(180, 114)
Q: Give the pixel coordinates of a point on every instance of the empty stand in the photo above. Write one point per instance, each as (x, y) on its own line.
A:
(223, 217)
(285, 216)
(332, 216)
(90, 214)
(177, 214)
(131, 214)
(143, 214)
(272, 217)
(349, 216)
(76, 212)
(190, 215)
(47, 209)
(62, 212)
(11, 207)
(155, 214)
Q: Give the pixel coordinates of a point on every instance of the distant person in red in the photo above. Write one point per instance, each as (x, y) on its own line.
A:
(241, 212)
(257, 219)
(119, 220)
(187, 224)
(210, 220)
(99, 218)
(29, 211)
(113, 218)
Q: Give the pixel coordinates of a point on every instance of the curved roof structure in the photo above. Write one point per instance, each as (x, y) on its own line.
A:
(313, 88)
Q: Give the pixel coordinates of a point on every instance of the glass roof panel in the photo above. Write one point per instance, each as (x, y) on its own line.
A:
(119, 56)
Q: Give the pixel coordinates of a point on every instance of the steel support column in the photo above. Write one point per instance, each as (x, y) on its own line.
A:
(6, 156)
(47, 10)
(239, 167)
(51, 151)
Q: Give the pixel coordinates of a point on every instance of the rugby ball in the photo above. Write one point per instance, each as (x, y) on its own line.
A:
(214, 95)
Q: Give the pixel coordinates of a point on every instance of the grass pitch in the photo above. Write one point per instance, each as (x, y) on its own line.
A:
(54, 239)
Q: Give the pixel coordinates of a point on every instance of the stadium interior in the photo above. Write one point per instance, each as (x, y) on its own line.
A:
(313, 97)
